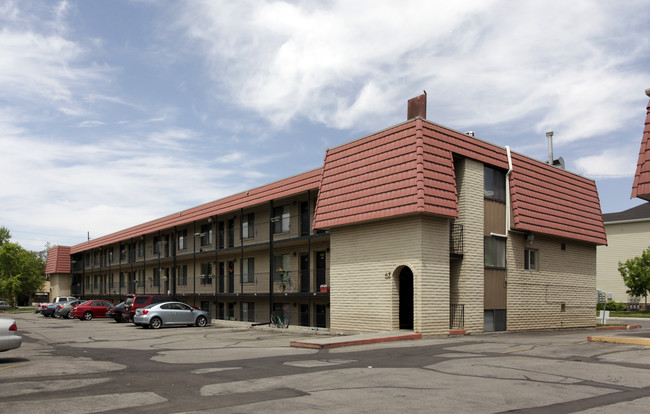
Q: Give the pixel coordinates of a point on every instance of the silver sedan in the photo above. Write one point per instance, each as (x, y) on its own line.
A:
(169, 314)
(9, 339)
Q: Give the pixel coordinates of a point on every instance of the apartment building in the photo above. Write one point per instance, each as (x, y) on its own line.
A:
(415, 227)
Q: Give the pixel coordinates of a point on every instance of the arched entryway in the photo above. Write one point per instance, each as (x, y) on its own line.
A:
(405, 298)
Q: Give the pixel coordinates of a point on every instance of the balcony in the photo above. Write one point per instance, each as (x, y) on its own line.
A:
(455, 240)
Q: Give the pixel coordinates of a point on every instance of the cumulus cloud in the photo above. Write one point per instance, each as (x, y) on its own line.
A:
(483, 62)
(609, 163)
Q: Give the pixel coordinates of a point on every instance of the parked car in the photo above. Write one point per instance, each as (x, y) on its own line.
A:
(46, 309)
(4, 305)
(158, 315)
(9, 338)
(91, 309)
(63, 309)
(134, 302)
(116, 313)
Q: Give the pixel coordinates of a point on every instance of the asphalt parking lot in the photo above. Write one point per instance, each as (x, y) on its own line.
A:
(100, 366)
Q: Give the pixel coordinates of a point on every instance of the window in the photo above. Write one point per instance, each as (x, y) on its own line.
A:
(140, 277)
(156, 245)
(141, 248)
(182, 240)
(494, 251)
(494, 184)
(281, 263)
(248, 311)
(231, 232)
(248, 226)
(122, 277)
(111, 283)
(281, 216)
(123, 252)
(248, 272)
(182, 275)
(222, 235)
(206, 273)
(156, 277)
(530, 259)
(206, 234)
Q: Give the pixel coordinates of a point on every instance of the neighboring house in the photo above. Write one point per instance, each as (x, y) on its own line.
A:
(628, 235)
(641, 184)
(415, 227)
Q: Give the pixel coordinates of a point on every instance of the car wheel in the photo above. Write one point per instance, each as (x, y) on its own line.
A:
(201, 321)
(155, 323)
(88, 316)
(70, 316)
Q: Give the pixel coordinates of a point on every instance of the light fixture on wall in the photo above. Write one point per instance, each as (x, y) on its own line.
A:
(530, 238)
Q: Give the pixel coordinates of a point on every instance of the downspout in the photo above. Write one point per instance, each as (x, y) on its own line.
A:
(508, 202)
(508, 190)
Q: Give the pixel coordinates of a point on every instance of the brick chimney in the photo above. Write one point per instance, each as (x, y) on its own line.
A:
(417, 106)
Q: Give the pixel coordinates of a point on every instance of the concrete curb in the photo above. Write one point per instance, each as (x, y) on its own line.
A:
(618, 327)
(363, 339)
(620, 340)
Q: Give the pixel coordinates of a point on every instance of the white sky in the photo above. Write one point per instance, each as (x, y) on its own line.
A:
(113, 113)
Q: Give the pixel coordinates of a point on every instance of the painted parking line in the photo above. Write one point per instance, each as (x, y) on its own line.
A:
(18, 364)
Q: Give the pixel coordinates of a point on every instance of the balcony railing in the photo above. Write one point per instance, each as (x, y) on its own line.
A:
(455, 239)
(456, 316)
(282, 228)
(286, 282)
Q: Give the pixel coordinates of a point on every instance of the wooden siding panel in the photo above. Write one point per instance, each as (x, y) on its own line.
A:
(495, 217)
(495, 289)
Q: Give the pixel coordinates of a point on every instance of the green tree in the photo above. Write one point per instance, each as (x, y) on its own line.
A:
(5, 235)
(636, 275)
(22, 272)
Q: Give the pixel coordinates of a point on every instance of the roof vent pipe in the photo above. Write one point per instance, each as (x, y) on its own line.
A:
(549, 135)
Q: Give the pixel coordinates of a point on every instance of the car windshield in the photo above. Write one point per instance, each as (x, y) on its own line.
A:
(150, 306)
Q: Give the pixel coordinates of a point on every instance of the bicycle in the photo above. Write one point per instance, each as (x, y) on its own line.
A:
(286, 284)
(280, 319)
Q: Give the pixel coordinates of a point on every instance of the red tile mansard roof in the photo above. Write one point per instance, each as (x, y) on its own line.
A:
(409, 169)
(390, 173)
(280, 189)
(58, 260)
(549, 200)
(641, 185)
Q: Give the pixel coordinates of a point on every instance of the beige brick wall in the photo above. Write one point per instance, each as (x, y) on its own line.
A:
(624, 241)
(468, 275)
(564, 277)
(365, 264)
(59, 285)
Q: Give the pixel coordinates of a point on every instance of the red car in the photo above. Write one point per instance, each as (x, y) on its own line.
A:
(91, 309)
